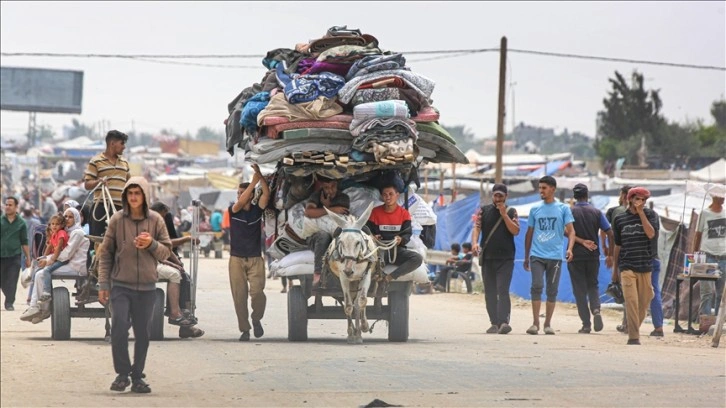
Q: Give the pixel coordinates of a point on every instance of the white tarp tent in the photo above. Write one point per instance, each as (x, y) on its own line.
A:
(715, 172)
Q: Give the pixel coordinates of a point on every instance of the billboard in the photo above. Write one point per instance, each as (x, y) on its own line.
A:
(41, 90)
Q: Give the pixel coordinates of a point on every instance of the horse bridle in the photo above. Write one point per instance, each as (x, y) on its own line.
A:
(351, 258)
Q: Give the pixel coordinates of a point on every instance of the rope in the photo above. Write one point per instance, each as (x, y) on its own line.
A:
(106, 197)
(387, 246)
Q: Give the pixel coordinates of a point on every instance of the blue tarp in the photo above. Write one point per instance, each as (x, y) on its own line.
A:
(455, 224)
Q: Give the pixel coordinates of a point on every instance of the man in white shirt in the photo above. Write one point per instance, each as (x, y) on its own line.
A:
(711, 239)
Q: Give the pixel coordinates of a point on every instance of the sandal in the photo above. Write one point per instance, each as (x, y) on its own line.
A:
(181, 321)
(120, 383)
(140, 386)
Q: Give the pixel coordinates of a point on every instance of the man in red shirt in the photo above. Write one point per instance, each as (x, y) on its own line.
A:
(388, 222)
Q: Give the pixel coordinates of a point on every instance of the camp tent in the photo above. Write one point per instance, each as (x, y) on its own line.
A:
(715, 172)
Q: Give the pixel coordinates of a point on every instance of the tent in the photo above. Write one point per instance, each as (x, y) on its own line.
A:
(715, 172)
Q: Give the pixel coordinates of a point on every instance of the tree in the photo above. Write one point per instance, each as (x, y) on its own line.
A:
(630, 109)
(718, 111)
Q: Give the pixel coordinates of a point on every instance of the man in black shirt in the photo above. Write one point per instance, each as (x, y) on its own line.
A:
(498, 226)
(634, 230)
(585, 265)
(246, 267)
(336, 201)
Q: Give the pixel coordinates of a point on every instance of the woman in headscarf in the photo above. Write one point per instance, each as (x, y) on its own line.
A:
(75, 256)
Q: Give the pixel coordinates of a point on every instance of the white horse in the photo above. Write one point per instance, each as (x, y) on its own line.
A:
(353, 258)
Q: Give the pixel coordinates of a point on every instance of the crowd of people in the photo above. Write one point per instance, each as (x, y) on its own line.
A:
(122, 214)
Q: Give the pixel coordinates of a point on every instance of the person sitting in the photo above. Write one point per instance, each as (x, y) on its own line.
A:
(57, 241)
(462, 267)
(336, 201)
(389, 221)
(443, 275)
(178, 287)
(75, 256)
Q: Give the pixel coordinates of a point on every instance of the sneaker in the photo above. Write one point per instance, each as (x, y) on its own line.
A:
(597, 320)
(634, 342)
(284, 290)
(656, 333)
(45, 297)
(245, 336)
(533, 329)
(549, 330)
(493, 330)
(29, 314)
(258, 330)
(622, 328)
(44, 314)
(504, 328)
(9, 307)
(584, 330)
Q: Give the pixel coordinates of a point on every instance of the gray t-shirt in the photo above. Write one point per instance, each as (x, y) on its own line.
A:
(712, 226)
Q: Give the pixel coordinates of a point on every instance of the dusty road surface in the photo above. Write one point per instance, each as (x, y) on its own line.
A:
(447, 362)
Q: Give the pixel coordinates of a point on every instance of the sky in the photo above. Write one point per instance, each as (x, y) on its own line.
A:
(542, 91)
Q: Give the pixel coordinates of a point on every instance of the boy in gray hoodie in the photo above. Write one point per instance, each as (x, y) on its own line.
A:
(135, 241)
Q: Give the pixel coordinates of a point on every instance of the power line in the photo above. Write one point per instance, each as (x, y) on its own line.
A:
(443, 54)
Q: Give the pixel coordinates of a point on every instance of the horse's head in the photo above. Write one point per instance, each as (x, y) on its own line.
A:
(353, 251)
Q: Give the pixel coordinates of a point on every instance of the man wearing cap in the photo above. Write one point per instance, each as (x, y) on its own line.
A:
(498, 226)
(585, 265)
(544, 240)
(610, 216)
(634, 231)
(711, 239)
(336, 201)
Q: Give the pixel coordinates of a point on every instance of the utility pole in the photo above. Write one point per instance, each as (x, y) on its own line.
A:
(501, 112)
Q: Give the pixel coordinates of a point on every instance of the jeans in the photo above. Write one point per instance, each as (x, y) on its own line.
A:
(9, 273)
(406, 260)
(711, 291)
(130, 308)
(583, 275)
(539, 268)
(656, 305)
(47, 275)
(497, 279)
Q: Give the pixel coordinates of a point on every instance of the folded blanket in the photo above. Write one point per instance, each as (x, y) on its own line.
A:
(279, 107)
(427, 114)
(413, 99)
(381, 109)
(325, 43)
(435, 129)
(347, 53)
(307, 88)
(276, 120)
(374, 63)
(407, 125)
(324, 66)
(273, 131)
(415, 81)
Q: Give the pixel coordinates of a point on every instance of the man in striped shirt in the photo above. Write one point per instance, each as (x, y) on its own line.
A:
(111, 169)
(633, 230)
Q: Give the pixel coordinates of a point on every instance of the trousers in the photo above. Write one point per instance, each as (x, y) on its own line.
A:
(638, 292)
(247, 279)
(130, 308)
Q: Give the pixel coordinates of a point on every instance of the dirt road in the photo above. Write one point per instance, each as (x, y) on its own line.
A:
(447, 362)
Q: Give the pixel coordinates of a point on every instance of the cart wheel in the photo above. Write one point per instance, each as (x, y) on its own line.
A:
(60, 318)
(157, 319)
(297, 315)
(398, 320)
